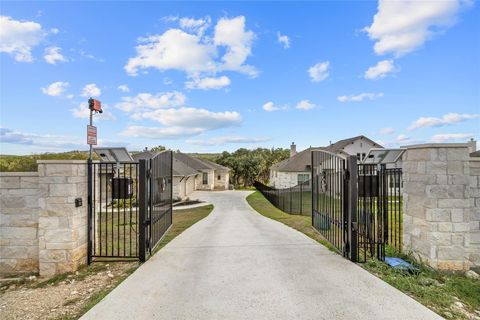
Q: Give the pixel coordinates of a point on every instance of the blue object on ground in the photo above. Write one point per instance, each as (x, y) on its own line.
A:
(400, 264)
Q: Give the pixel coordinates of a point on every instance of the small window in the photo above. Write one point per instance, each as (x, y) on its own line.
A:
(302, 177)
(358, 156)
(205, 177)
(363, 156)
(219, 177)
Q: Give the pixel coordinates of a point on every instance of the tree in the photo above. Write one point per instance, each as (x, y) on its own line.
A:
(158, 148)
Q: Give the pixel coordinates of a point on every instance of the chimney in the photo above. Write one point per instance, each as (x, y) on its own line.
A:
(472, 145)
(293, 149)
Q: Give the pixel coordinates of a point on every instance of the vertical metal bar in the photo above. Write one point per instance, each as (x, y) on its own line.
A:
(90, 211)
(142, 174)
(352, 206)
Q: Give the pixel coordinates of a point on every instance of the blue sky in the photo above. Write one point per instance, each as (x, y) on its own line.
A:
(214, 76)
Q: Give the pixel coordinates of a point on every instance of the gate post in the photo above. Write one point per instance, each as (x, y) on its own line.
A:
(90, 210)
(352, 223)
(142, 207)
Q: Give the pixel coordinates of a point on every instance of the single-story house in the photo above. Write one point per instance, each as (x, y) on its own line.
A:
(190, 173)
(297, 169)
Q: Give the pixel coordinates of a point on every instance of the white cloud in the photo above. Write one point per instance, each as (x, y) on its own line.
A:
(145, 101)
(174, 49)
(52, 55)
(445, 120)
(381, 70)
(360, 97)
(270, 107)
(182, 122)
(196, 53)
(56, 142)
(386, 131)
(123, 88)
(305, 105)
(400, 27)
(50, 142)
(208, 83)
(188, 117)
(18, 38)
(83, 112)
(446, 137)
(160, 132)
(283, 40)
(91, 90)
(319, 71)
(217, 141)
(55, 89)
(232, 34)
(197, 26)
(402, 138)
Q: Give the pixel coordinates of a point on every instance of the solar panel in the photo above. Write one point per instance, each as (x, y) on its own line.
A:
(113, 154)
(382, 156)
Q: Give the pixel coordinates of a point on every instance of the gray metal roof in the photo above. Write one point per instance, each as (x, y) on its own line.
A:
(302, 160)
(144, 155)
(199, 164)
(181, 169)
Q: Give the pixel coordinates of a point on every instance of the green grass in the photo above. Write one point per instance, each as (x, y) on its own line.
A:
(434, 289)
(301, 223)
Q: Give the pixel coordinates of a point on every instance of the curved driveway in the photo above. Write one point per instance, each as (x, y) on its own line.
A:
(237, 264)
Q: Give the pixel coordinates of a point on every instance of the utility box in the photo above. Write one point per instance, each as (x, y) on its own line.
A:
(368, 186)
(122, 188)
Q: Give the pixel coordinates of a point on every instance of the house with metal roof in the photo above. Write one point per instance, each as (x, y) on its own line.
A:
(297, 169)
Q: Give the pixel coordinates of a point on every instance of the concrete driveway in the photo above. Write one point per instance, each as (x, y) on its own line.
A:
(237, 264)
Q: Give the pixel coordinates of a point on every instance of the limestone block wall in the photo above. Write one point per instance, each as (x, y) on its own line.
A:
(475, 212)
(437, 205)
(222, 183)
(18, 222)
(282, 180)
(41, 229)
(62, 234)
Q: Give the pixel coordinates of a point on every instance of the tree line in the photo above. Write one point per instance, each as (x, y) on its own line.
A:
(250, 165)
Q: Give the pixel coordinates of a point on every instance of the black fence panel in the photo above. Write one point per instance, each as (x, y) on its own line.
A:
(129, 207)
(295, 200)
(379, 210)
(113, 210)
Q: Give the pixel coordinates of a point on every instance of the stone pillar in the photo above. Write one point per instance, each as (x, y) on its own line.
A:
(436, 204)
(475, 214)
(62, 227)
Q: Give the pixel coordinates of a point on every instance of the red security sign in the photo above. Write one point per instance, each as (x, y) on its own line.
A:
(92, 135)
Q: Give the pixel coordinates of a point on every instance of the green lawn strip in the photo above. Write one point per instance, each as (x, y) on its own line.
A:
(182, 220)
(434, 289)
(301, 223)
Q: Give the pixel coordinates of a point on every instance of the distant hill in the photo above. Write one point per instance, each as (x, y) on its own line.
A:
(9, 163)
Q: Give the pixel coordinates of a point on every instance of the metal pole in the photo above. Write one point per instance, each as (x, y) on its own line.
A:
(90, 211)
(143, 207)
(352, 207)
(91, 123)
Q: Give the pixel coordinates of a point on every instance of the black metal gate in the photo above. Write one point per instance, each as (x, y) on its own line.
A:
(334, 195)
(156, 201)
(356, 207)
(129, 207)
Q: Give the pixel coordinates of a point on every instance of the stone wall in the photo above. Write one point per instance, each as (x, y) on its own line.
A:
(42, 231)
(18, 222)
(475, 212)
(62, 226)
(437, 205)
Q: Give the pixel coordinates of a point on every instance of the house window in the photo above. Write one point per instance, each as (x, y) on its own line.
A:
(205, 177)
(302, 177)
(358, 156)
(219, 177)
(363, 156)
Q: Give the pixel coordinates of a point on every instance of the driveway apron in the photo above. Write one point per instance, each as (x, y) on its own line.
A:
(237, 264)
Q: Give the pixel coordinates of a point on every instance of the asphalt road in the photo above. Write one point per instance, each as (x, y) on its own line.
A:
(237, 264)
